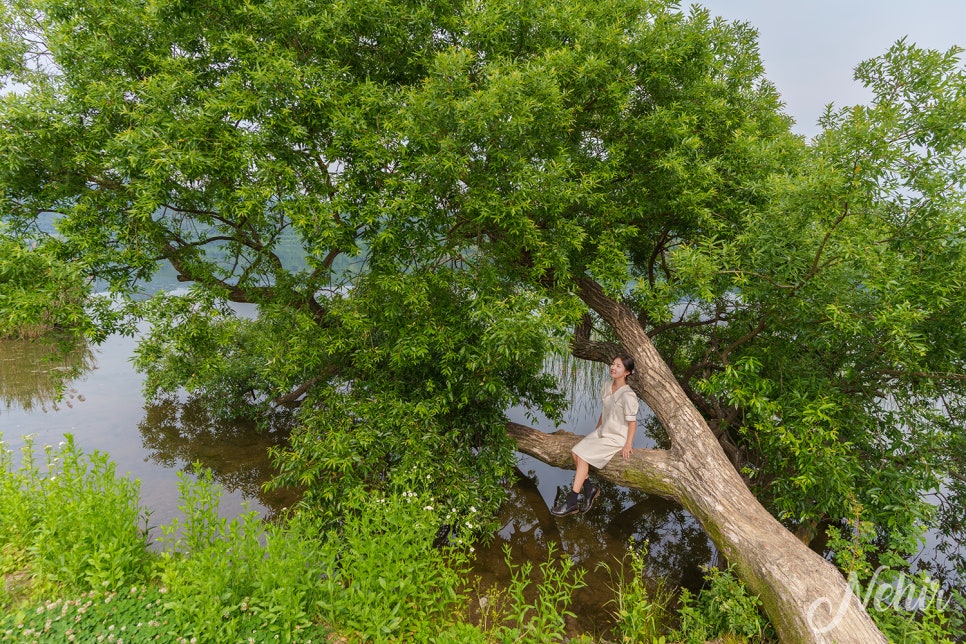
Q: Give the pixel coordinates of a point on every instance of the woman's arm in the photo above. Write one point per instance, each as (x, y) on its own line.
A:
(629, 443)
(630, 405)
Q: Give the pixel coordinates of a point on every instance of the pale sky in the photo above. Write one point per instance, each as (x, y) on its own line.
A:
(810, 47)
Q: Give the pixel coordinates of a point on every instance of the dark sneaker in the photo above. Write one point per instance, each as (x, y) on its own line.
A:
(591, 492)
(569, 505)
(442, 533)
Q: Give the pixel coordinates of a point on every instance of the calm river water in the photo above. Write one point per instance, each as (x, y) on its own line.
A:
(104, 409)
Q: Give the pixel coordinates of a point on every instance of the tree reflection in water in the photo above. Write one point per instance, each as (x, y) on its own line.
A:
(176, 431)
(35, 375)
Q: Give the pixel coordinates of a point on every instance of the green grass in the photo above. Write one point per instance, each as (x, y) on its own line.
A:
(134, 616)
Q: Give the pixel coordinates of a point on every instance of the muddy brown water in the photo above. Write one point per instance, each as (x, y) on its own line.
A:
(103, 407)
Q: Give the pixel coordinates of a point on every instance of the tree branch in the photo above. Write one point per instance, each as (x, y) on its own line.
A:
(586, 349)
(651, 470)
(896, 373)
(291, 398)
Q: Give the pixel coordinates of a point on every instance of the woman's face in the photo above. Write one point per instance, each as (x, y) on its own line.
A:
(617, 369)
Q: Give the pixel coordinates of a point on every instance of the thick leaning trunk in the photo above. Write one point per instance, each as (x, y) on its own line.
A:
(805, 596)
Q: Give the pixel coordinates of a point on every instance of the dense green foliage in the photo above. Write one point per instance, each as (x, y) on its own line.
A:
(379, 577)
(852, 386)
(891, 594)
(76, 565)
(447, 172)
(38, 292)
(723, 607)
(79, 525)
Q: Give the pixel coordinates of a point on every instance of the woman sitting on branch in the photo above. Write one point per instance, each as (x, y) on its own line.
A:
(614, 433)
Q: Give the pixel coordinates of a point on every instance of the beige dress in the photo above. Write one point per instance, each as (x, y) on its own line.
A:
(619, 408)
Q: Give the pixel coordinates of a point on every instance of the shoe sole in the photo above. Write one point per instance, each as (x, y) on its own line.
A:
(567, 513)
(590, 501)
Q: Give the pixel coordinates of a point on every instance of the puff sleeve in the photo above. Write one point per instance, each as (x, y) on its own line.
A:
(629, 405)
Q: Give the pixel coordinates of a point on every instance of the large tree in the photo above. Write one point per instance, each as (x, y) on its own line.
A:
(424, 200)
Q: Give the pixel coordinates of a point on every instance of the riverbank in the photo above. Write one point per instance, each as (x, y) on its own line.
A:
(155, 441)
(77, 566)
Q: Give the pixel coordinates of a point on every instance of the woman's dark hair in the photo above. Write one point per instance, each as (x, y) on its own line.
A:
(627, 360)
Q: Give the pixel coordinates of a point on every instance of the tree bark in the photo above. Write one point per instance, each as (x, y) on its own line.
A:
(806, 598)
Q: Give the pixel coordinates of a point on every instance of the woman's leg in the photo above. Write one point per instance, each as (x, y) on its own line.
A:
(583, 470)
(571, 504)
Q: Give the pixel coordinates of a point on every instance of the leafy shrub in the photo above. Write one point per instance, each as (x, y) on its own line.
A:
(905, 607)
(379, 576)
(386, 578)
(724, 607)
(75, 524)
(228, 579)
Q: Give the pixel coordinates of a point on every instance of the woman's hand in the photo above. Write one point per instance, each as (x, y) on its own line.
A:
(626, 452)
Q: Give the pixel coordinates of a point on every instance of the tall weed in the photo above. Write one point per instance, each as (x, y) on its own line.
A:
(641, 614)
(74, 522)
(536, 605)
(386, 579)
(228, 580)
